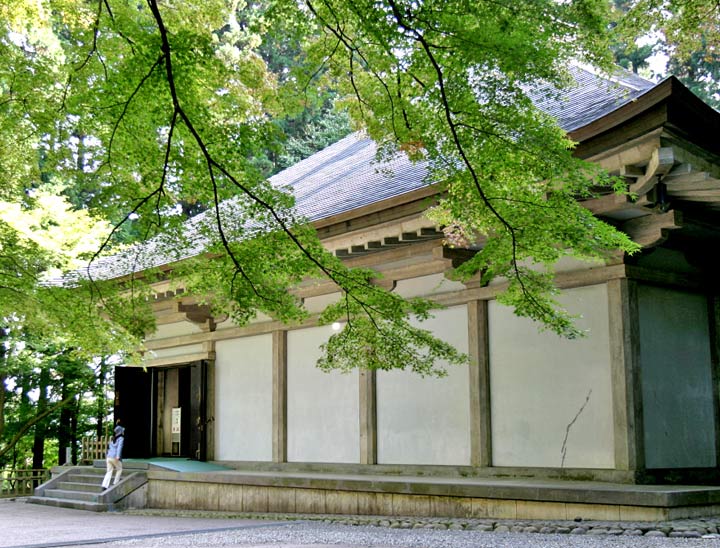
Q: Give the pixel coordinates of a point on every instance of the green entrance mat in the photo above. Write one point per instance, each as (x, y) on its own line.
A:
(181, 465)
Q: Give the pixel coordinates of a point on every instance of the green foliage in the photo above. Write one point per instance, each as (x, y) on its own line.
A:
(40, 239)
(700, 72)
(688, 33)
(625, 48)
(450, 83)
(37, 375)
(376, 333)
(156, 111)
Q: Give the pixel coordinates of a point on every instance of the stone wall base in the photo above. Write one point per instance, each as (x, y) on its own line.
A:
(234, 497)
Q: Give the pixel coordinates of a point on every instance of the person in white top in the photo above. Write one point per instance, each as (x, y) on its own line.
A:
(114, 456)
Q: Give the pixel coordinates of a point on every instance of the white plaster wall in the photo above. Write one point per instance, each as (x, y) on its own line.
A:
(427, 420)
(322, 408)
(540, 382)
(243, 396)
(171, 352)
(175, 329)
(676, 376)
(318, 304)
(228, 323)
(564, 264)
(426, 285)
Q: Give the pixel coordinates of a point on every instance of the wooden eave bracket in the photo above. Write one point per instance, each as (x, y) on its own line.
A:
(652, 230)
(453, 256)
(199, 314)
(661, 162)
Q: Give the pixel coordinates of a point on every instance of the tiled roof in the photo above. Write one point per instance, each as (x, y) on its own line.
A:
(346, 175)
(593, 97)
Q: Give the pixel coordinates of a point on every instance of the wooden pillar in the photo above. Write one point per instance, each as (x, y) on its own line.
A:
(479, 372)
(159, 414)
(279, 397)
(368, 417)
(625, 375)
(209, 347)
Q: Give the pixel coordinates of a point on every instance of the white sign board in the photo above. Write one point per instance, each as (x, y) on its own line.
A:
(175, 428)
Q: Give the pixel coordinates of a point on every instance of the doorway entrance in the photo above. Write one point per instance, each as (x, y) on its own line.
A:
(163, 410)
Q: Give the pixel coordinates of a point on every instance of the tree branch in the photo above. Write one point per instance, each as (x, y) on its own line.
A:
(28, 425)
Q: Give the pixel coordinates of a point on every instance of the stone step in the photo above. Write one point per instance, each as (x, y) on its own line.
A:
(88, 471)
(80, 486)
(74, 495)
(81, 489)
(90, 479)
(71, 503)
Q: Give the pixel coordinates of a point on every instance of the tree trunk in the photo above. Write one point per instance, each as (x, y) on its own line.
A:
(3, 377)
(101, 410)
(41, 426)
(75, 408)
(64, 428)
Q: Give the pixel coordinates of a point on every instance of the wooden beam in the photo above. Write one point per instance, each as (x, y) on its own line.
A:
(315, 289)
(698, 195)
(675, 177)
(690, 186)
(180, 359)
(395, 254)
(651, 230)
(694, 158)
(633, 152)
(679, 280)
(422, 268)
(390, 208)
(613, 203)
(563, 280)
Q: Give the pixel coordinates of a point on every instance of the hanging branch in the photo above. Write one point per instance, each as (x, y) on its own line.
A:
(337, 277)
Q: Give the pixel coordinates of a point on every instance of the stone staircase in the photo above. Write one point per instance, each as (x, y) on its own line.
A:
(79, 487)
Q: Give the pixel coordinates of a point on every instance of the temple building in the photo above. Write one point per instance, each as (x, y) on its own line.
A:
(634, 403)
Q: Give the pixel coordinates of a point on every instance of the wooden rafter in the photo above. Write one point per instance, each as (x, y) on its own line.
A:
(403, 238)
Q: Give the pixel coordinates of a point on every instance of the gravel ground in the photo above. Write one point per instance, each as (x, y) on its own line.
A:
(32, 526)
(682, 528)
(318, 534)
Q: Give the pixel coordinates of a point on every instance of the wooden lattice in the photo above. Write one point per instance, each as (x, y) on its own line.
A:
(19, 483)
(94, 449)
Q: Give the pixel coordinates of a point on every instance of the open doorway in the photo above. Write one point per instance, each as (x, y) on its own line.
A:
(163, 410)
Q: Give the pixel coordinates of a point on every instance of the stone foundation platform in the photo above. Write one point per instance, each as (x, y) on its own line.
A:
(363, 494)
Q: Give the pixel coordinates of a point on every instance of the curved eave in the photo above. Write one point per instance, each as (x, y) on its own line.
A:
(668, 104)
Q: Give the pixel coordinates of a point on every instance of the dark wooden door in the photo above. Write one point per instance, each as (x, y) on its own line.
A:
(198, 414)
(134, 407)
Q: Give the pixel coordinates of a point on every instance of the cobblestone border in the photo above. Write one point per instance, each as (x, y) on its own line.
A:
(685, 528)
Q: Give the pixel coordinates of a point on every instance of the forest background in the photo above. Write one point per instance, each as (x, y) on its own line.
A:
(120, 121)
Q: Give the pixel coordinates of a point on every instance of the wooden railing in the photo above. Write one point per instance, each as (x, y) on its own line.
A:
(21, 483)
(94, 449)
